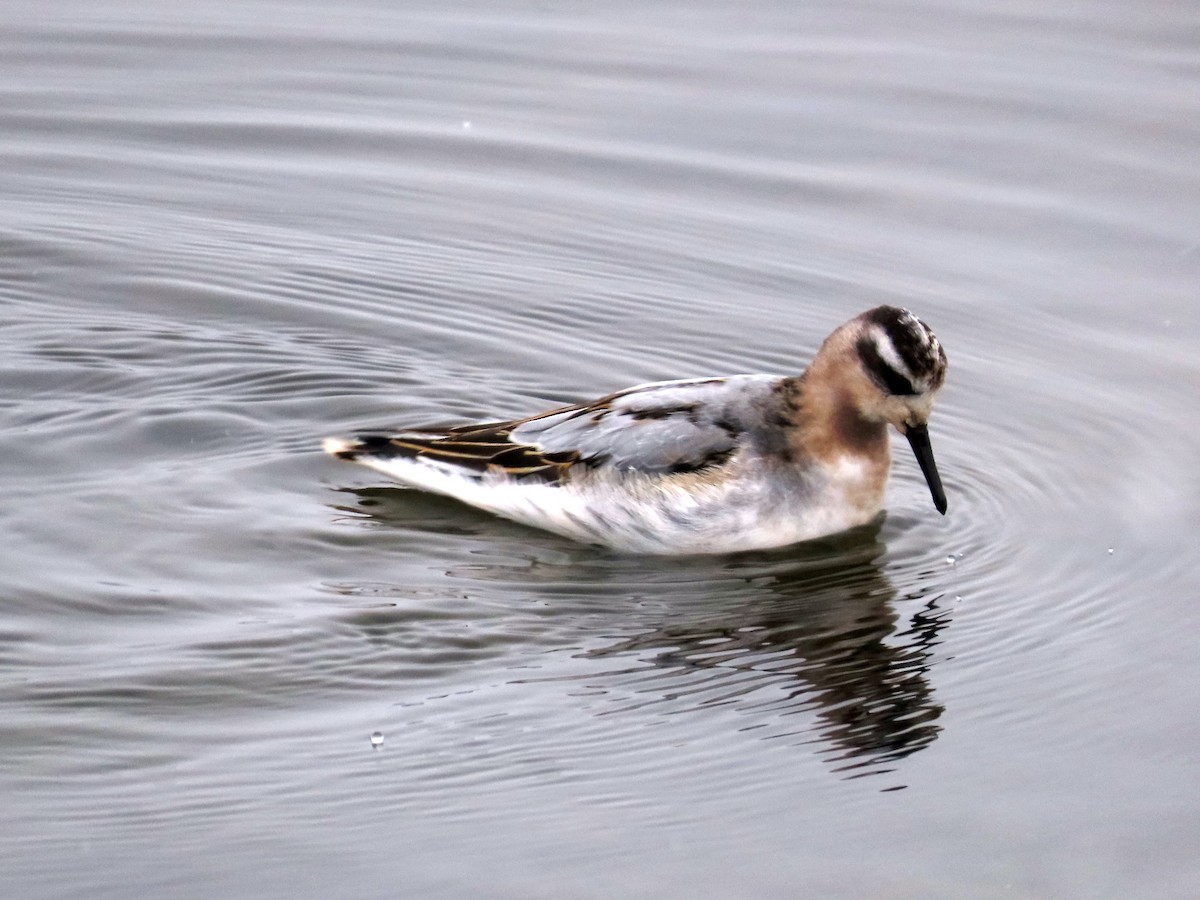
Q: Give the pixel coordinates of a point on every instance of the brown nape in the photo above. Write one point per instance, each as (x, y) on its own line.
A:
(857, 434)
(831, 426)
(829, 398)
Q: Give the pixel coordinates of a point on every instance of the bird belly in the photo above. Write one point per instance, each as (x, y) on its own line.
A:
(632, 512)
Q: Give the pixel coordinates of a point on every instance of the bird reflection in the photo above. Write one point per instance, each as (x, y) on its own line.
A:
(814, 643)
(821, 634)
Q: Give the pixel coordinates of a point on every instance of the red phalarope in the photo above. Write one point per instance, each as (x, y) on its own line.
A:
(705, 465)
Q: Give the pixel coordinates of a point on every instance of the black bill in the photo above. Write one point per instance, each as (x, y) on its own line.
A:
(918, 439)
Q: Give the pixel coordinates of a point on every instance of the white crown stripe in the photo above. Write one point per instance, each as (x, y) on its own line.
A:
(887, 352)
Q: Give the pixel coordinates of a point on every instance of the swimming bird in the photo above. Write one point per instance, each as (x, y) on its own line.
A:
(704, 465)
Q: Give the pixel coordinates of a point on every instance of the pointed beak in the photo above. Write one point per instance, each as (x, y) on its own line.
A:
(918, 439)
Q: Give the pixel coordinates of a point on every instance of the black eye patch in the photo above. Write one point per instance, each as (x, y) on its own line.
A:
(881, 373)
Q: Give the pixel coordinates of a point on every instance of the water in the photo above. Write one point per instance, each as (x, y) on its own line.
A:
(229, 230)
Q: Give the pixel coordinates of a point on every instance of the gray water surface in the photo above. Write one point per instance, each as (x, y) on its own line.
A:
(229, 230)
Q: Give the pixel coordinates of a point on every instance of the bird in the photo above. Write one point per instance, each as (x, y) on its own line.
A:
(697, 466)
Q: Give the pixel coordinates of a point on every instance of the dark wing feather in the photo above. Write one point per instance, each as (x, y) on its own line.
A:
(486, 448)
(667, 427)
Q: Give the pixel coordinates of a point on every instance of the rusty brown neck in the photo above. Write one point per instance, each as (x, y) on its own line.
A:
(824, 405)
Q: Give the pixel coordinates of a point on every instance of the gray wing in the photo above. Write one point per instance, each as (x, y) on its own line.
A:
(671, 426)
(665, 427)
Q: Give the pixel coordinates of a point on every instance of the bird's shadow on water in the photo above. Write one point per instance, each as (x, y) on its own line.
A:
(814, 643)
(815, 634)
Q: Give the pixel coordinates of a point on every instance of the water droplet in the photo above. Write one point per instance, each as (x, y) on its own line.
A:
(951, 561)
(1110, 550)
(377, 740)
(466, 125)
